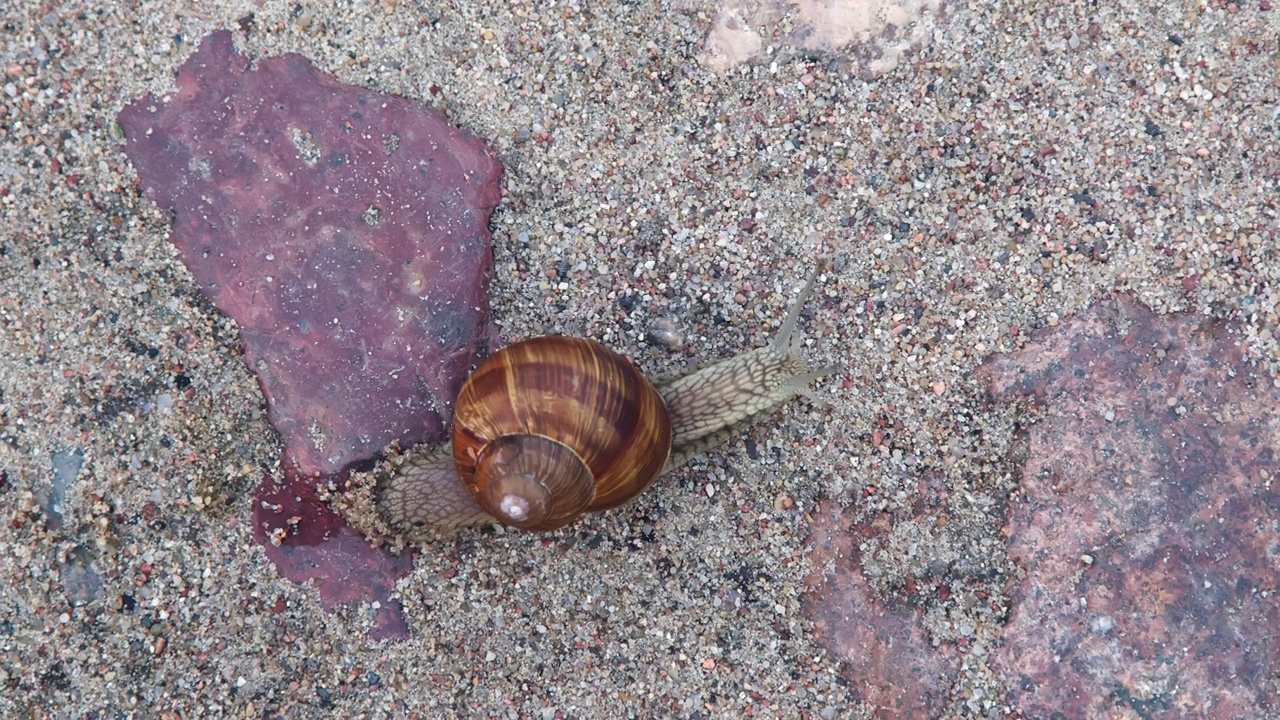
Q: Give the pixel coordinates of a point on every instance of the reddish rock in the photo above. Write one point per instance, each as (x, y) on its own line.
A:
(346, 232)
(1148, 522)
(886, 655)
(319, 545)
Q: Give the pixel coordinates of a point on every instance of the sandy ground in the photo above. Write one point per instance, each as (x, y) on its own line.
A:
(1027, 159)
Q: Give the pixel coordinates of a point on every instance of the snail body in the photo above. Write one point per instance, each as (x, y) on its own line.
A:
(551, 427)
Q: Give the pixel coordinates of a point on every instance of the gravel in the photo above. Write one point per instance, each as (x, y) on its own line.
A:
(1025, 160)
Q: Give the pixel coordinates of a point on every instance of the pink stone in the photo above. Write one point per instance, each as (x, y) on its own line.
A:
(346, 231)
(321, 546)
(1148, 521)
(884, 652)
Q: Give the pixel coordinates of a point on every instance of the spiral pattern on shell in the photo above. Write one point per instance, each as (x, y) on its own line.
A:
(551, 427)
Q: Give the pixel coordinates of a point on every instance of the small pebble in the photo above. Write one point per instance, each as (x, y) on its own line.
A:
(665, 332)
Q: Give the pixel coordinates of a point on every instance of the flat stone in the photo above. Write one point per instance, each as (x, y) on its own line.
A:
(345, 230)
(1148, 521)
(884, 652)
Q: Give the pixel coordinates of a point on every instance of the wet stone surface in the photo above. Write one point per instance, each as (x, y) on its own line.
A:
(343, 229)
(1148, 523)
(879, 641)
(346, 232)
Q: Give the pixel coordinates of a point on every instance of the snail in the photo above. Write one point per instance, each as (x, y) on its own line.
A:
(552, 427)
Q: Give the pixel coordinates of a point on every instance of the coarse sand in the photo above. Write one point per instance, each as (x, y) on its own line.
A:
(979, 173)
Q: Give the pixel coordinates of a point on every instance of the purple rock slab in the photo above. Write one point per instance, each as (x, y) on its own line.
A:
(885, 654)
(345, 230)
(318, 545)
(1148, 521)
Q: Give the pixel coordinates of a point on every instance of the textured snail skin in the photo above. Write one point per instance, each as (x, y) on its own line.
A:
(710, 403)
(421, 492)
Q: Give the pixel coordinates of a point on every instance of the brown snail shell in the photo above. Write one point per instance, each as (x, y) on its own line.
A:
(551, 427)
